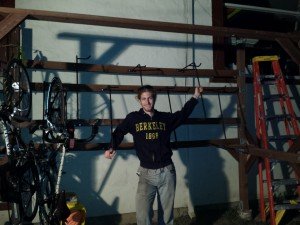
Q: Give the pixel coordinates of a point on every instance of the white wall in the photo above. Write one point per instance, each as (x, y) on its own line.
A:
(205, 175)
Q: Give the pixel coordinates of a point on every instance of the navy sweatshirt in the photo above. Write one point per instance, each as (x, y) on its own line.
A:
(151, 135)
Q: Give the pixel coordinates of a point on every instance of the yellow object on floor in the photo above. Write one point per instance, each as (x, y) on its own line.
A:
(78, 213)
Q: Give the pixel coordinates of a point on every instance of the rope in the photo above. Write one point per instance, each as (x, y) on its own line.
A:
(168, 92)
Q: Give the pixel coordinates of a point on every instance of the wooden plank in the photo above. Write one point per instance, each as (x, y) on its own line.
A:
(178, 144)
(133, 88)
(241, 112)
(10, 22)
(115, 122)
(267, 153)
(292, 50)
(218, 42)
(146, 24)
(4, 206)
(131, 70)
(295, 146)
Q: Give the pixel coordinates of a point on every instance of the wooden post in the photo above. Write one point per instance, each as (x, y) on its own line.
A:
(241, 82)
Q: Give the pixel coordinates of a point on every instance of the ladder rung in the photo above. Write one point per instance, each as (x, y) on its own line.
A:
(279, 117)
(283, 137)
(267, 76)
(285, 181)
(268, 80)
(287, 206)
(274, 97)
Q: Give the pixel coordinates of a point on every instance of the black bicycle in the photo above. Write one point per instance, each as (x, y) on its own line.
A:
(19, 175)
(52, 203)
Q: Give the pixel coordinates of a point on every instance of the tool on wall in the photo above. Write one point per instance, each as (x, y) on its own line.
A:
(194, 67)
(138, 68)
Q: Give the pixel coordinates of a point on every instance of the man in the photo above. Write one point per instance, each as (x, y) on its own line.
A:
(151, 132)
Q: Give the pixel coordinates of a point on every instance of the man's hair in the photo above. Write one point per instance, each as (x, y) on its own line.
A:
(146, 88)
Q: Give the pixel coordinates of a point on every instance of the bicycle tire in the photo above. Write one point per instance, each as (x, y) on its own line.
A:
(28, 185)
(47, 193)
(55, 105)
(17, 89)
(47, 188)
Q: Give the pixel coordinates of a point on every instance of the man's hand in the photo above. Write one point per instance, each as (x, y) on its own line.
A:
(198, 92)
(109, 153)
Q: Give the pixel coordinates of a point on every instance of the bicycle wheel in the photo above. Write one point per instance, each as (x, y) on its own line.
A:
(47, 193)
(47, 188)
(28, 184)
(16, 89)
(55, 105)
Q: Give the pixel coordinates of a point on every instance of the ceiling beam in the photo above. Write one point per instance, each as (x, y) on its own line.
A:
(65, 17)
(10, 22)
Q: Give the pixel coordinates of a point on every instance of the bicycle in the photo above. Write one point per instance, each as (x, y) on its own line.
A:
(52, 204)
(18, 172)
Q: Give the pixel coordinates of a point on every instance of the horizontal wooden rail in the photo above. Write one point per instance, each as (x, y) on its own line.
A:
(65, 17)
(36, 124)
(131, 70)
(4, 206)
(133, 88)
(263, 153)
(174, 145)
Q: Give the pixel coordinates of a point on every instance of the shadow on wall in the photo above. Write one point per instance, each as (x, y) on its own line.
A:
(205, 175)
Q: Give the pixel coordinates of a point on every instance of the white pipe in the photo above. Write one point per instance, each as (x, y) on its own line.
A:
(262, 9)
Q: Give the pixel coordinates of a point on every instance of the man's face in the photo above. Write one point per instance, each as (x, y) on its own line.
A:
(147, 101)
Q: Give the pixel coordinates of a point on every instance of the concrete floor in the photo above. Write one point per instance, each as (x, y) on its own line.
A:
(120, 219)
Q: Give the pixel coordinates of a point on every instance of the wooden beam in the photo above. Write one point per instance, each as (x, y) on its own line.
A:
(146, 24)
(10, 22)
(133, 88)
(218, 42)
(266, 153)
(4, 206)
(131, 70)
(292, 50)
(34, 125)
(174, 145)
(295, 146)
(241, 112)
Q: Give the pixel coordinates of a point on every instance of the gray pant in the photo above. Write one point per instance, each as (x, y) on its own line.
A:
(151, 181)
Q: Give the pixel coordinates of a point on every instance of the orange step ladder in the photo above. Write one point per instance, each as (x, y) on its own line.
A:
(264, 87)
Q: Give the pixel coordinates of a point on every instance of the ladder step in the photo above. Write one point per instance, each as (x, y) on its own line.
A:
(286, 206)
(290, 181)
(274, 97)
(268, 79)
(267, 76)
(283, 138)
(279, 117)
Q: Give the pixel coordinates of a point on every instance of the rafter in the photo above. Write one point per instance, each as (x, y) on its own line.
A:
(146, 24)
(10, 22)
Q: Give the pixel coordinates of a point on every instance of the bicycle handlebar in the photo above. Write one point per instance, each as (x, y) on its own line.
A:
(65, 134)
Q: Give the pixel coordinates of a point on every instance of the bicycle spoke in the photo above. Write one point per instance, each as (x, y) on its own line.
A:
(28, 187)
